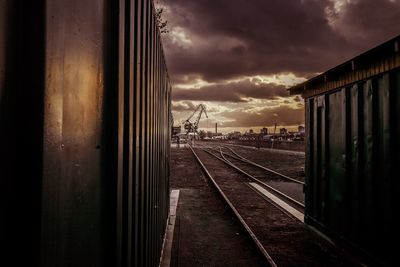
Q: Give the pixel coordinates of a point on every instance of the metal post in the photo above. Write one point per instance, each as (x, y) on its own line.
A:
(273, 140)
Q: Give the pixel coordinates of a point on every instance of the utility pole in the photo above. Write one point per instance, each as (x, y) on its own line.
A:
(273, 140)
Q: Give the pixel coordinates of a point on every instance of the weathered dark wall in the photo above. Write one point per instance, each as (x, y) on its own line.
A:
(84, 119)
(74, 193)
(21, 129)
(352, 154)
(3, 36)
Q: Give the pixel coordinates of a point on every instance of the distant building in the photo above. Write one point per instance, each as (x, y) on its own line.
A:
(176, 130)
(212, 134)
(264, 131)
(234, 135)
(267, 137)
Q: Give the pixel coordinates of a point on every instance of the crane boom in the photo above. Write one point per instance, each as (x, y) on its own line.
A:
(191, 127)
(203, 109)
(194, 112)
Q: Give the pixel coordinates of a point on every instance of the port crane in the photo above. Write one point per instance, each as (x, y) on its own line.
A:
(191, 127)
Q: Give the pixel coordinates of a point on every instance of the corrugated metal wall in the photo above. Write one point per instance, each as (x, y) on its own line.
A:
(84, 119)
(352, 156)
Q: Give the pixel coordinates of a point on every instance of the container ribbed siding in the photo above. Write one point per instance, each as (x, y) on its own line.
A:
(85, 118)
(352, 151)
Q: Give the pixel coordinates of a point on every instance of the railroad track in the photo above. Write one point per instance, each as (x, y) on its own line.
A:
(293, 167)
(260, 166)
(267, 221)
(288, 191)
(242, 221)
(282, 186)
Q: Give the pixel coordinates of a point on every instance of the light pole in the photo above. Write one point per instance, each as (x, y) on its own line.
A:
(273, 140)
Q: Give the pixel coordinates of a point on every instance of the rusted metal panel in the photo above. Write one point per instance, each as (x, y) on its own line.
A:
(367, 160)
(395, 121)
(382, 182)
(4, 31)
(336, 174)
(393, 231)
(73, 186)
(353, 150)
(87, 133)
(136, 40)
(354, 177)
(21, 130)
(121, 250)
(319, 179)
(308, 188)
(353, 146)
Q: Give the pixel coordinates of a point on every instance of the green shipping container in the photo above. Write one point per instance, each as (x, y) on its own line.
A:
(352, 132)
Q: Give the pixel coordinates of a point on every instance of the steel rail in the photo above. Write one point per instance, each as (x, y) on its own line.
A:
(241, 158)
(276, 191)
(284, 211)
(290, 199)
(264, 197)
(235, 211)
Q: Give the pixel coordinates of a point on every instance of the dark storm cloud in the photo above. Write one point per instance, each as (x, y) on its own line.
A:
(232, 92)
(218, 41)
(183, 106)
(234, 38)
(369, 22)
(283, 115)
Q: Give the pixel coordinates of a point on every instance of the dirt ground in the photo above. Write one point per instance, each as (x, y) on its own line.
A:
(292, 189)
(284, 145)
(289, 242)
(206, 234)
(287, 163)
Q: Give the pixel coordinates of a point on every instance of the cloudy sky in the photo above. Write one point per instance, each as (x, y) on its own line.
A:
(238, 57)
